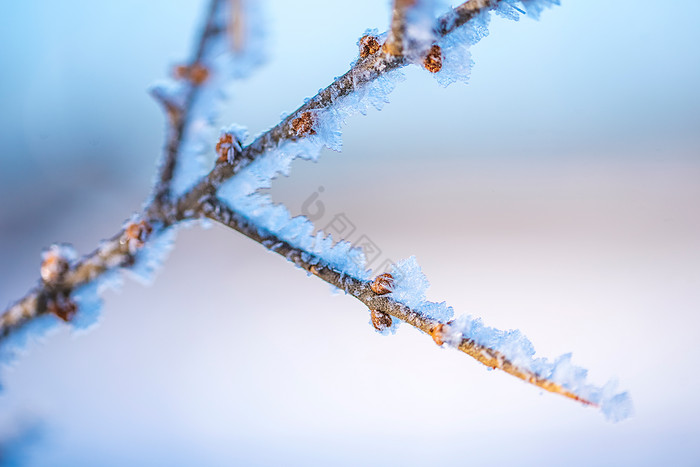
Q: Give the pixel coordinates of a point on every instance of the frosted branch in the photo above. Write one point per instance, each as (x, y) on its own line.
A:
(394, 45)
(55, 294)
(438, 44)
(178, 114)
(383, 297)
(365, 71)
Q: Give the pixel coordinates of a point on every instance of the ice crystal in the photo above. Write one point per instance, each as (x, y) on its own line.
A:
(456, 60)
(410, 285)
(420, 29)
(241, 191)
(519, 350)
(150, 258)
(232, 53)
(533, 8)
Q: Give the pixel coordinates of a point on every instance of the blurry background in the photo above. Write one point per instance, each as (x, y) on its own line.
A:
(557, 193)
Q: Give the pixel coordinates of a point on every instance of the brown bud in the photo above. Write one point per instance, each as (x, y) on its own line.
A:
(433, 61)
(438, 334)
(369, 45)
(383, 284)
(62, 306)
(380, 320)
(196, 73)
(304, 125)
(224, 148)
(136, 233)
(181, 71)
(53, 267)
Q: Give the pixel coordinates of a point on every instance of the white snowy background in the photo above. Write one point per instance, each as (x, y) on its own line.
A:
(558, 193)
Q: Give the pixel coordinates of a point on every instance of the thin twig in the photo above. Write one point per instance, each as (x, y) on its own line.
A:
(362, 291)
(394, 43)
(114, 253)
(179, 118)
(363, 72)
(111, 254)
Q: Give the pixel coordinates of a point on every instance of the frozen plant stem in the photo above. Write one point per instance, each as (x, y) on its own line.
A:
(362, 291)
(394, 44)
(363, 72)
(404, 44)
(179, 118)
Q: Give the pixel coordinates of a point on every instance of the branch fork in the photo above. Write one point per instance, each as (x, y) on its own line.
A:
(62, 275)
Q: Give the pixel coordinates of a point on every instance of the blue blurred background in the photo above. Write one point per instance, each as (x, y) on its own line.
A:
(557, 193)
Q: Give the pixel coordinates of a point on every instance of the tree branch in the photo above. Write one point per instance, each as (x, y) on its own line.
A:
(394, 43)
(363, 72)
(53, 294)
(363, 291)
(179, 116)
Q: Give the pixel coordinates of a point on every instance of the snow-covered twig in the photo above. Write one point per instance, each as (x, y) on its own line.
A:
(365, 71)
(178, 114)
(58, 294)
(507, 351)
(228, 194)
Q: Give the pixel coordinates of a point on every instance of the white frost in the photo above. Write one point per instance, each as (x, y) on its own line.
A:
(410, 285)
(228, 56)
(517, 348)
(456, 57)
(420, 29)
(241, 192)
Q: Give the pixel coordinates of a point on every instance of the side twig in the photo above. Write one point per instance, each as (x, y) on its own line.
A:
(363, 72)
(179, 117)
(363, 291)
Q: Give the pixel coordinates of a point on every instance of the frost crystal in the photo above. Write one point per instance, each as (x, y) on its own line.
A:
(508, 9)
(519, 350)
(533, 8)
(455, 46)
(456, 61)
(89, 300)
(420, 29)
(230, 54)
(151, 257)
(410, 285)
(241, 191)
